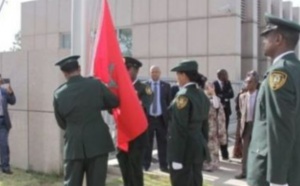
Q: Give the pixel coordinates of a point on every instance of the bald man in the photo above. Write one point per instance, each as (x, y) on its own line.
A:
(158, 117)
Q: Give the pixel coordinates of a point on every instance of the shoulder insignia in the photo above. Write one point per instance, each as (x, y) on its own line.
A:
(181, 102)
(277, 79)
(148, 90)
(60, 86)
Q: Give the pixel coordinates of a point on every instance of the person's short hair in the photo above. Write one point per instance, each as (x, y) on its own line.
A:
(291, 37)
(221, 71)
(253, 74)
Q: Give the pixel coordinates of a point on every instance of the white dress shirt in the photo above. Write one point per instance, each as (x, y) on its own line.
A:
(272, 184)
(281, 56)
(251, 105)
(215, 100)
(220, 83)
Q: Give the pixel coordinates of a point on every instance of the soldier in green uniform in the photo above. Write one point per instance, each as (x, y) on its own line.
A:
(274, 152)
(131, 162)
(77, 106)
(188, 128)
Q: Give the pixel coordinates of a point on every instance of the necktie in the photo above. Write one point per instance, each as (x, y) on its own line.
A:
(154, 106)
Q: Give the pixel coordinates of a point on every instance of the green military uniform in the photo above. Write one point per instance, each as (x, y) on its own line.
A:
(77, 105)
(131, 162)
(188, 132)
(274, 152)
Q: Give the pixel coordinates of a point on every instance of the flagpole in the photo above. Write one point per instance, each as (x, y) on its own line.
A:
(1, 5)
(78, 32)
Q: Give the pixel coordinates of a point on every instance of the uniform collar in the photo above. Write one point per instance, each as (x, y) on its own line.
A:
(134, 82)
(75, 78)
(282, 55)
(188, 84)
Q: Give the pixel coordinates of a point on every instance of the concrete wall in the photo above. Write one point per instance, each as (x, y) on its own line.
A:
(296, 18)
(167, 31)
(249, 36)
(35, 139)
(217, 33)
(263, 62)
(42, 23)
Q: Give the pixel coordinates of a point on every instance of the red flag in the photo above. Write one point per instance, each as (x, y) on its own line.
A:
(110, 68)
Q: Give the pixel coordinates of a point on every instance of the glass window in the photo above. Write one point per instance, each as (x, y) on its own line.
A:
(65, 40)
(125, 41)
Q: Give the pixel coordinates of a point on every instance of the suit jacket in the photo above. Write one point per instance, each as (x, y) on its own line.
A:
(77, 108)
(243, 105)
(174, 90)
(274, 153)
(188, 128)
(225, 94)
(165, 98)
(7, 99)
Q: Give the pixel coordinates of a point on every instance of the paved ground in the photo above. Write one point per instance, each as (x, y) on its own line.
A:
(223, 177)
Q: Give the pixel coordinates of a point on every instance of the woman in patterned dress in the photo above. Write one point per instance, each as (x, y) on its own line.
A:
(217, 128)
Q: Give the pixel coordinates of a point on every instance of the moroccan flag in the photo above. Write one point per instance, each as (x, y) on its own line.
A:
(110, 68)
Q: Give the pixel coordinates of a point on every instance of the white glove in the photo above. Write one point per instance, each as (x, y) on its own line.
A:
(176, 166)
(273, 184)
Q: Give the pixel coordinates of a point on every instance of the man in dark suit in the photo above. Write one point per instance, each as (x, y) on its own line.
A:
(224, 91)
(7, 97)
(158, 118)
(174, 90)
(77, 108)
(131, 162)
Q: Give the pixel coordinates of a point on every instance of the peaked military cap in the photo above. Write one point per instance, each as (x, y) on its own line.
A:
(132, 62)
(273, 23)
(187, 65)
(71, 61)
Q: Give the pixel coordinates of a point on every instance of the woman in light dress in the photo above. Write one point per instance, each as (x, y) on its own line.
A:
(217, 131)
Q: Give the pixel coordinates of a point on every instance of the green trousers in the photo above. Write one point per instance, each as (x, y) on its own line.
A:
(131, 167)
(94, 168)
(189, 175)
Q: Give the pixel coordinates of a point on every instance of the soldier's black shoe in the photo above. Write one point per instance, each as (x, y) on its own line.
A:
(165, 169)
(146, 168)
(7, 172)
(240, 176)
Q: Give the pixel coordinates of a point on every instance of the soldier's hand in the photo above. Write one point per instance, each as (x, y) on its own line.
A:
(273, 184)
(176, 166)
